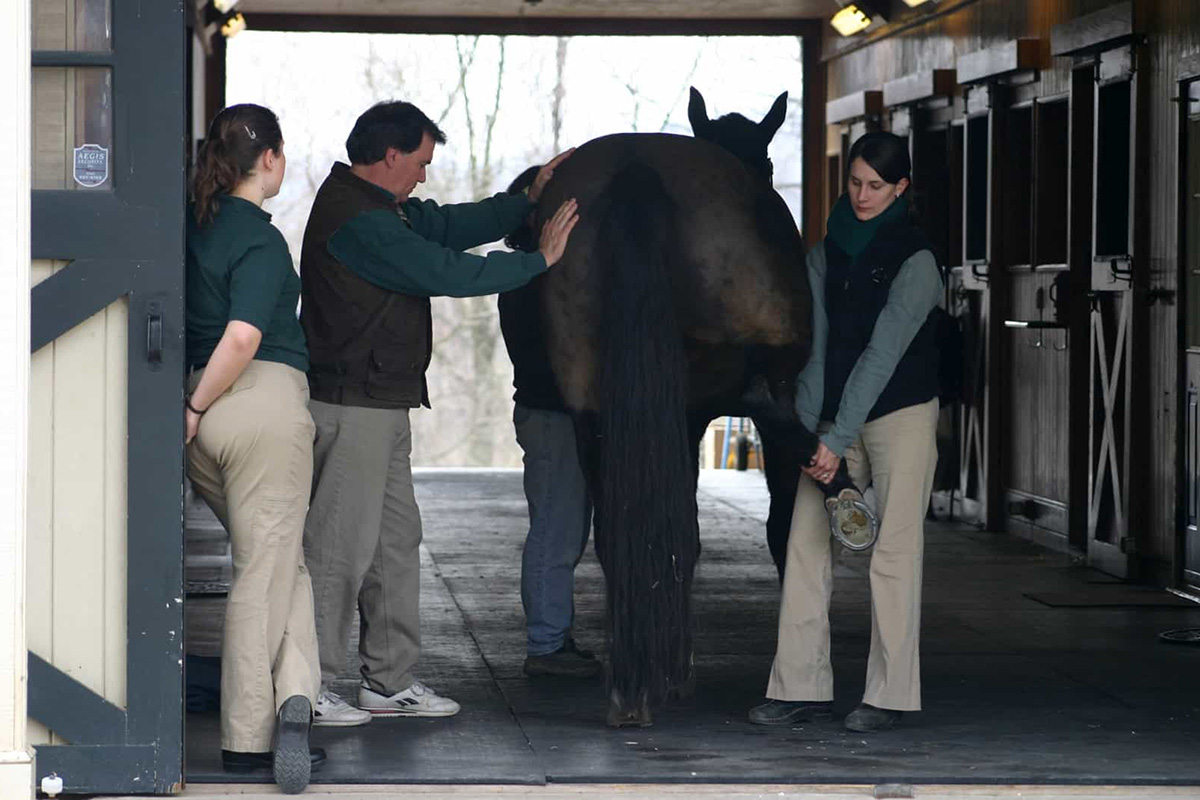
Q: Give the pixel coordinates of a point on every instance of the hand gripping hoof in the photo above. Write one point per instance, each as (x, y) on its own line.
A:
(851, 520)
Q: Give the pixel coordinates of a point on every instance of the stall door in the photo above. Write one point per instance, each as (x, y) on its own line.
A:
(1190, 319)
(1110, 546)
(104, 605)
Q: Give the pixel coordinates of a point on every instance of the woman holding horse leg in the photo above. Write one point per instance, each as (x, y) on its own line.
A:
(872, 385)
(250, 443)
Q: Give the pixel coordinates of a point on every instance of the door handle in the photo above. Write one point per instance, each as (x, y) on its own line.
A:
(154, 337)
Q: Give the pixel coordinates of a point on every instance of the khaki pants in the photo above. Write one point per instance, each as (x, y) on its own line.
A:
(362, 543)
(252, 462)
(898, 453)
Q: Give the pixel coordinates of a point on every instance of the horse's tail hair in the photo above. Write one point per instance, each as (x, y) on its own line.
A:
(646, 512)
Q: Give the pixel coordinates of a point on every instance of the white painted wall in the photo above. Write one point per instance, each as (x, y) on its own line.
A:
(16, 761)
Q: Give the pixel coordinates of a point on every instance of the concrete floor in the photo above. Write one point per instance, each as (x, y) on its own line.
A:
(1016, 691)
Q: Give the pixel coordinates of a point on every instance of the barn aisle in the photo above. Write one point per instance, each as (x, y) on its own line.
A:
(1035, 670)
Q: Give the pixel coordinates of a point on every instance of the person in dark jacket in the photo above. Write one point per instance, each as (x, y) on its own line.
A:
(560, 507)
(371, 259)
(870, 389)
(249, 442)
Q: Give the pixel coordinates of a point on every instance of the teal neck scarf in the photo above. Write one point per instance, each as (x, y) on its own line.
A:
(853, 235)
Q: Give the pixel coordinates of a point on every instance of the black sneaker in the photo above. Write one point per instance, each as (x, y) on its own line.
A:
(789, 712)
(292, 765)
(567, 661)
(869, 719)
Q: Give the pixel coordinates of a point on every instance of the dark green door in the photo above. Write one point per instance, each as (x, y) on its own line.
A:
(108, 209)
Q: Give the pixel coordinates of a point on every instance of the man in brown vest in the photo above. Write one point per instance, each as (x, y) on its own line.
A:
(371, 259)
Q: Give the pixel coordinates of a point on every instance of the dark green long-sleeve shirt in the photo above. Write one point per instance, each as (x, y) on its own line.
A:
(419, 251)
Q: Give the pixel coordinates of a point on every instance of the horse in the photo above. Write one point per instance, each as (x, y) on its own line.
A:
(682, 296)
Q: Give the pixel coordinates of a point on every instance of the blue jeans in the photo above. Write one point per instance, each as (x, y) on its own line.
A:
(560, 517)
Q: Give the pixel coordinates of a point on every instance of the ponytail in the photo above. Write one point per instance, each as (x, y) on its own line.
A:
(236, 138)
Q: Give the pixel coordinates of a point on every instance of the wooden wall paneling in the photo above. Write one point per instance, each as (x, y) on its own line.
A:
(854, 106)
(1173, 31)
(1093, 32)
(1173, 51)
(918, 86)
(78, 612)
(1017, 55)
(39, 557)
(115, 435)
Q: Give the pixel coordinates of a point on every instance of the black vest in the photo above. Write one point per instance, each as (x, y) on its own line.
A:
(855, 293)
(525, 339)
(367, 346)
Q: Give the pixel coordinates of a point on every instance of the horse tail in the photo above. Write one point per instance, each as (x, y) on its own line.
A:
(646, 537)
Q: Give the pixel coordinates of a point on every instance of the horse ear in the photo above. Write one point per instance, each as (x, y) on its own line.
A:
(697, 113)
(774, 118)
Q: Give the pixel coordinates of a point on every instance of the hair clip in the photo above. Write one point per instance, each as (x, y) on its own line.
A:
(250, 133)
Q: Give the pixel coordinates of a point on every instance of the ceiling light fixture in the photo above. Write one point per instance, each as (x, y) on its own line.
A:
(915, 3)
(850, 20)
(233, 26)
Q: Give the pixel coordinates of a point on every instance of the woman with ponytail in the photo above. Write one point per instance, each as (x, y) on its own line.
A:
(249, 442)
(870, 389)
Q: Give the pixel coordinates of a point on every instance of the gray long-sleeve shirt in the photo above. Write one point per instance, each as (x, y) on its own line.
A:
(916, 290)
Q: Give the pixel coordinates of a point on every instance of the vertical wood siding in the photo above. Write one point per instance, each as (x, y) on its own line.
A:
(76, 569)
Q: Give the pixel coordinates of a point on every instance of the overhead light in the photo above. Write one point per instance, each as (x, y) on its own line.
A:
(233, 26)
(915, 3)
(850, 20)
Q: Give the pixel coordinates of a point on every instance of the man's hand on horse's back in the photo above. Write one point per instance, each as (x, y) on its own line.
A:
(546, 173)
(556, 231)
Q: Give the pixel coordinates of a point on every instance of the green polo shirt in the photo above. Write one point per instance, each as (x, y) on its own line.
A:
(415, 247)
(238, 267)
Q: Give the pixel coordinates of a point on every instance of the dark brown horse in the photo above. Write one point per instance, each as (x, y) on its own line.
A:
(682, 296)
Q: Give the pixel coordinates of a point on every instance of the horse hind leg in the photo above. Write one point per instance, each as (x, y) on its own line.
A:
(788, 444)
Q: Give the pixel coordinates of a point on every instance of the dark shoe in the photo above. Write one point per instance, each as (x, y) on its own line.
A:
(567, 661)
(293, 758)
(789, 712)
(869, 719)
(235, 761)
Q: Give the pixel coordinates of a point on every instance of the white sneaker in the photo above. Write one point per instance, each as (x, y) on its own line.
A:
(417, 700)
(333, 711)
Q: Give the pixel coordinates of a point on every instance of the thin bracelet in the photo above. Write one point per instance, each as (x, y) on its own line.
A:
(187, 401)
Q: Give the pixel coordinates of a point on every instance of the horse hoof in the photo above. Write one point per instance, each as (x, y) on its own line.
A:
(621, 717)
(851, 520)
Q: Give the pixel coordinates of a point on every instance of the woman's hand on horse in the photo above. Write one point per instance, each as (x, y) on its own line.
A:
(824, 464)
(556, 230)
(546, 173)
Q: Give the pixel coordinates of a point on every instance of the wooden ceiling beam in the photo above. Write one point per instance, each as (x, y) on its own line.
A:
(553, 9)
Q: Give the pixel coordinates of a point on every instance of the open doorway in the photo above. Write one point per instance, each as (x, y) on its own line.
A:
(505, 102)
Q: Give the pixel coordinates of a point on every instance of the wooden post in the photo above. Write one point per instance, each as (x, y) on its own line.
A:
(16, 762)
(813, 211)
